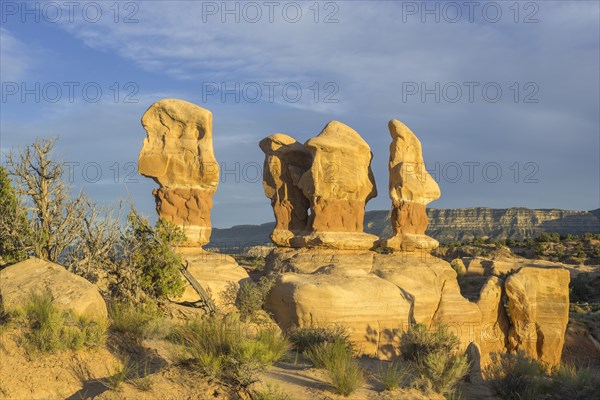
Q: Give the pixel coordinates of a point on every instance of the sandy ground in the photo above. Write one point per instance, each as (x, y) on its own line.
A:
(87, 374)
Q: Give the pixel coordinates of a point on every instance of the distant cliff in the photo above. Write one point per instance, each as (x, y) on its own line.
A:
(447, 225)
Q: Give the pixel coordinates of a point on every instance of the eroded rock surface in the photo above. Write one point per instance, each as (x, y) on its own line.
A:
(323, 287)
(178, 154)
(538, 304)
(411, 189)
(373, 310)
(286, 161)
(338, 185)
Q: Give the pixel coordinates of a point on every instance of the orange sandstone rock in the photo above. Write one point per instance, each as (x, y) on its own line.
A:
(178, 154)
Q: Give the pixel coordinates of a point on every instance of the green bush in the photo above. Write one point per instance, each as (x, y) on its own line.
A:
(337, 359)
(140, 321)
(515, 376)
(437, 364)
(570, 383)
(392, 376)
(303, 338)
(441, 371)
(151, 254)
(419, 341)
(250, 297)
(50, 329)
(580, 289)
(15, 234)
(222, 349)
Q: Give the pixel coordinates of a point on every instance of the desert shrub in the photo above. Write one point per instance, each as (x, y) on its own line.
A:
(50, 328)
(569, 382)
(418, 341)
(140, 321)
(303, 338)
(392, 376)
(15, 232)
(149, 254)
(438, 366)
(326, 353)
(440, 371)
(222, 348)
(515, 376)
(249, 297)
(579, 288)
(337, 359)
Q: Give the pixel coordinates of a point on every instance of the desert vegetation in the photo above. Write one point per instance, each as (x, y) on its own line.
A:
(135, 266)
(47, 328)
(569, 249)
(515, 376)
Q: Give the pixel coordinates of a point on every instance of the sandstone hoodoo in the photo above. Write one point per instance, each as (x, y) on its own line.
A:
(538, 305)
(336, 278)
(411, 189)
(338, 185)
(286, 161)
(178, 154)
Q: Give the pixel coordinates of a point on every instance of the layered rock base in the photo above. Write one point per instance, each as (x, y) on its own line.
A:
(377, 297)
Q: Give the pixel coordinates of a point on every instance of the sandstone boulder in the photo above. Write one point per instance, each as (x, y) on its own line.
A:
(286, 161)
(411, 189)
(538, 304)
(178, 154)
(69, 291)
(373, 309)
(420, 277)
(338, 185)
(213, 271)
(322, 287)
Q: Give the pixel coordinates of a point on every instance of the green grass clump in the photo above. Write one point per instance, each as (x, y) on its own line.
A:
(337, 359)
(249, 297)
(438, 365)
(303, 338)
(419, 341)
(50, 329)
(515, 376)
(519, 377)
(222, 349)
(569, 382)
(441, 371)
(392, 376)
(140, 321)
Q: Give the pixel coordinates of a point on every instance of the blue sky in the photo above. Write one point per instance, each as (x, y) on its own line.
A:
(368, 62)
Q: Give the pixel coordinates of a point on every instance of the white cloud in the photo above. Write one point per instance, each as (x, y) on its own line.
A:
(16, 58)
